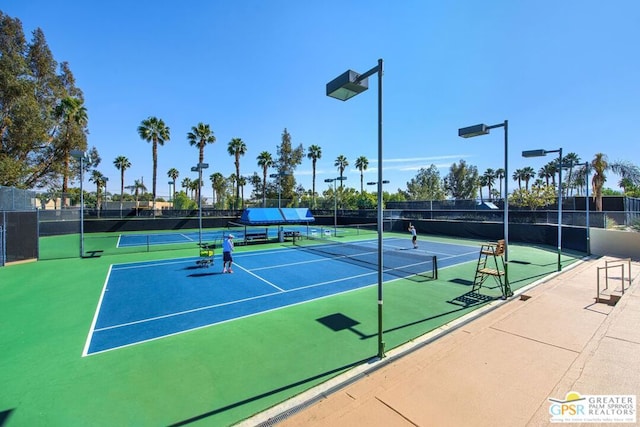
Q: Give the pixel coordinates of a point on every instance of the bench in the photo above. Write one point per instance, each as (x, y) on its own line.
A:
(249, 237)
(291, 234)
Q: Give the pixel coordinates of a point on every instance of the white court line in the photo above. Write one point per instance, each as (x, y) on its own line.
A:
(179, 313)
(259, 278)
(95, 316)
(92, 330)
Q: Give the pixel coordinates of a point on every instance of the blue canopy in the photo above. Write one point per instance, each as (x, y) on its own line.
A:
(276, 216)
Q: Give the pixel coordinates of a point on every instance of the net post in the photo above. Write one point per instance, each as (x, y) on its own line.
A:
(435, 267)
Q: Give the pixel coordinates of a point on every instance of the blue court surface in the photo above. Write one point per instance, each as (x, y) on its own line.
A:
(150, 300)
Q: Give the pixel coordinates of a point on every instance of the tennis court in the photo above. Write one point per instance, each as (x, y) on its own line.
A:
(217, 348)
(151, 300)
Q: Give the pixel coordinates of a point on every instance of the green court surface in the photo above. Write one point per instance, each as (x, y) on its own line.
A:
(217, 375)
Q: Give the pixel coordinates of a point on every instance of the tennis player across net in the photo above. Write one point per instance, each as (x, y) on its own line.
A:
(398, 262)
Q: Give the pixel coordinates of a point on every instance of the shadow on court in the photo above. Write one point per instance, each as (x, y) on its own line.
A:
(257, 397)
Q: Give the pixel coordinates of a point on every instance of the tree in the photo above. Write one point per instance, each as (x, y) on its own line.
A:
(426, 185)
(341, 163)
(122, 164)
(601, 165)
(500, 176)
(72, 114)
(539, 196)
(518, 175)
(237, 148)
(173, 174)
(461, 181)
(314, 152)
(99, 180)
(137, 188)
(288, 159)
(361, 164)
(242, 181)
(219, 185)
(548, 171)
(527, 174)
(489, 179)
(265, 161)
(182, 202)
(186, 183)
(571, 159)
(155, 131)
(200, 136)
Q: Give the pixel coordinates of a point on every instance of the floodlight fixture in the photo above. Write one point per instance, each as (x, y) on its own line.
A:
(347, 85)
(475, 130)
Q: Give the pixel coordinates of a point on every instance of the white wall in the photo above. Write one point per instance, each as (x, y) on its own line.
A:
(623, 244)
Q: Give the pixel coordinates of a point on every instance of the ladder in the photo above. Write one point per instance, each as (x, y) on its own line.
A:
(491, 264)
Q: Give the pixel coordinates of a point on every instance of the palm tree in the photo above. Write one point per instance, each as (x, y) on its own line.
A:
(242, 181)
(490, 179)
(137, 187)
(200, 136)
(194, 186)
(122, 164)
(500, 176)
(173, 174)
(600, 166)
(265, 161)
(186, 184)
(314, 153)
(99, 180)
(571, 160)
(154, 130)
(72, 113)
(482, 182)
(547, 171)
(518, 176)
(341, 163)
(527, 174)
(219, 184)
(237, 148)
(361, 164)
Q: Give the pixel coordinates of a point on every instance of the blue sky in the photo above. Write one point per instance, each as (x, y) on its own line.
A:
(564, 73)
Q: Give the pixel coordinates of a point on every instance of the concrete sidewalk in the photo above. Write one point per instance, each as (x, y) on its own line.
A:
(497, 369)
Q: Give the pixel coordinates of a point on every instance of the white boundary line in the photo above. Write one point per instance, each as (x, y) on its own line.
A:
(85, 352)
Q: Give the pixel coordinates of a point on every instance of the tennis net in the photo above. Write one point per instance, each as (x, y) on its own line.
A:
(398, 262)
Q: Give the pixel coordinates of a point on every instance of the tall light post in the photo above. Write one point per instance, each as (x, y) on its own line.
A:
(482, 129)
(198, 168)
(343, 87)
(81, 156)
(279, 176)
(542, 153)
(335, 202)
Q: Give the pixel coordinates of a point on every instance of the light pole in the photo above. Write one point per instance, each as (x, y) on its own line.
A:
(335, 202)
(279, 176)
(81, 156)
(482, 129)
(343, 87)
(542, 153)
(198, 168)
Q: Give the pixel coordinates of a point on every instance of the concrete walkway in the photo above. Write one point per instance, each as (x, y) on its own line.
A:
(499, 369)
